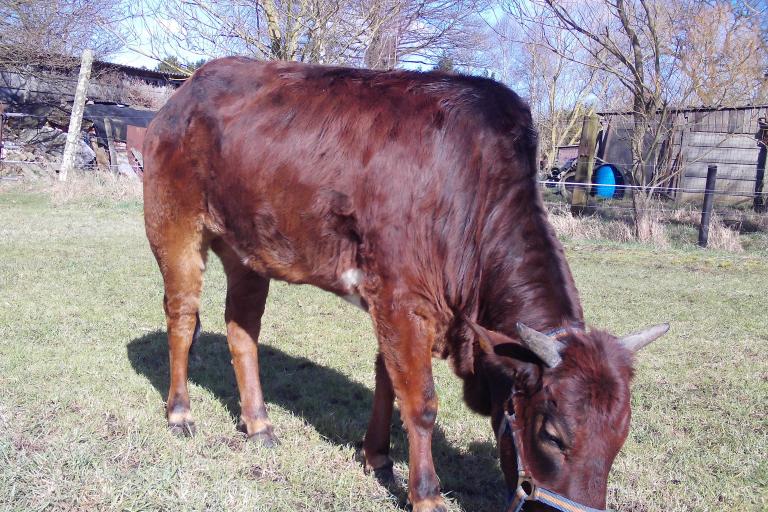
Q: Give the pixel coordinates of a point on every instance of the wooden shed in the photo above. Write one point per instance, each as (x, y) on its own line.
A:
(692, 139)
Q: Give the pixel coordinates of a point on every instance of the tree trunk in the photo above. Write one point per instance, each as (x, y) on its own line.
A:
(641, 199)
(647, 218)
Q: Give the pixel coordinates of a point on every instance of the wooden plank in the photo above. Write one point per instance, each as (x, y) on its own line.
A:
(721, 155)
(725, 177)
(751, 125)
(138, 156)
(703, 122)
(724, 185)
(720, 200)
(724, 171)
(110, 144)
(735, 121)
(721, 121)
(124, 166)
(722, 140)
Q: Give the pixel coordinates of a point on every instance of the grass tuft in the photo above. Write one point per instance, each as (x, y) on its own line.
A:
(83, 188)
(588, 227)
(723, 237)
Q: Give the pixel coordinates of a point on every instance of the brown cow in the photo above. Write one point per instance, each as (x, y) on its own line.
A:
(414, 196)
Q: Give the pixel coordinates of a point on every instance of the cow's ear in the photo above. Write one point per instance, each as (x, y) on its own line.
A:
(527, 349)
(488, 340)
(508, 355)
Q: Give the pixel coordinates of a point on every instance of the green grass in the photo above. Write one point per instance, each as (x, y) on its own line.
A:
(83, 375)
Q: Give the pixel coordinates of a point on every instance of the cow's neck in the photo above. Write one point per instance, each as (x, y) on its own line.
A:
(524, 275)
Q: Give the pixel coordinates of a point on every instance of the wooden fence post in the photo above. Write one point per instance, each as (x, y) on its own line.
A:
(584, 165)
(111, 145)
(706, 210)
(73, 135)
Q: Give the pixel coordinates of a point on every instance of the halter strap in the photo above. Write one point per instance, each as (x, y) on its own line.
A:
(518, 497)
(557, 333)
(562, 331)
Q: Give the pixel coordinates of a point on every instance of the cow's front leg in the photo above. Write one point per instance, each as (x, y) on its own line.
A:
(406, 332)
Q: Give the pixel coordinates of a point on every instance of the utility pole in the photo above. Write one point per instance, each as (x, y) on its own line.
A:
(68, 160)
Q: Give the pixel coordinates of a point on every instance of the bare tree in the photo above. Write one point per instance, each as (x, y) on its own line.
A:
(559, 90)
(722, 54)
(376, 33)
(645, 47)
(53, 33)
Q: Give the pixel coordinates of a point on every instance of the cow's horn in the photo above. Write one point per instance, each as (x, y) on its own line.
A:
(545, 347)
(638, 340)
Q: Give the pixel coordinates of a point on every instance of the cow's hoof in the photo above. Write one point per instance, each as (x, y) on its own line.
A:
(430, 505)
(267, 438)
(381, 466)
(184, 429)
(385, 475)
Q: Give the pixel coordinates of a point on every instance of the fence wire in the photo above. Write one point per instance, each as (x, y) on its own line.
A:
(655, 189)
(547, 186)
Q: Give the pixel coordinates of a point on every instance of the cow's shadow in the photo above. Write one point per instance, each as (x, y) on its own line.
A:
(337, 407)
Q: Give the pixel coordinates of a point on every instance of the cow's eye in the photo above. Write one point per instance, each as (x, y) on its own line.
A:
(550, 435)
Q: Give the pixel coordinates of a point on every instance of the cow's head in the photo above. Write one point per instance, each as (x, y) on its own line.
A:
(571, 399)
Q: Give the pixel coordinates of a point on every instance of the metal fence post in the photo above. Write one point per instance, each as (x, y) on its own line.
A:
(706, 211)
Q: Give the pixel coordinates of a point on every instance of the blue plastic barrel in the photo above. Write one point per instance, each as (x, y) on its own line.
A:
(605, 180)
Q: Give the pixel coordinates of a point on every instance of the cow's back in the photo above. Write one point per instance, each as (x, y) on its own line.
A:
(309, 171)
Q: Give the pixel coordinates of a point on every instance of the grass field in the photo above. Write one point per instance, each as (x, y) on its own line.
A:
(83, 375)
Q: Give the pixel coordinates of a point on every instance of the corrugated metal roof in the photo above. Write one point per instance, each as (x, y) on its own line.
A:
(139, 71)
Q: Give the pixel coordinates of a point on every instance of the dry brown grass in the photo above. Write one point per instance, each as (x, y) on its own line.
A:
(140, 93)
(653, 227)
(134, 92)
(684, 215)
(96, 186)
(87, 187)
(650, 228)
(722, 237)
(588, 228)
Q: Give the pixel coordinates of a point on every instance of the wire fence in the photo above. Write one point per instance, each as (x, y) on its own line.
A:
(125, 117)
(552, 200)
(680, 191)
(92, 167)
(650, 189)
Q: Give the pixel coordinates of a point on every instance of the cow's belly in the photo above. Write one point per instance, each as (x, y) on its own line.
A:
(293, 242)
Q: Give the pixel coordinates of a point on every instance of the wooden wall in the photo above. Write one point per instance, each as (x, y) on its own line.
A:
(693, 140)
(728, 139)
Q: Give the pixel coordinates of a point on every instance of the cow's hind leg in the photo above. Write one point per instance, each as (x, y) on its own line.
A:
(246, 296)
(377, 438)
(181, 255)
